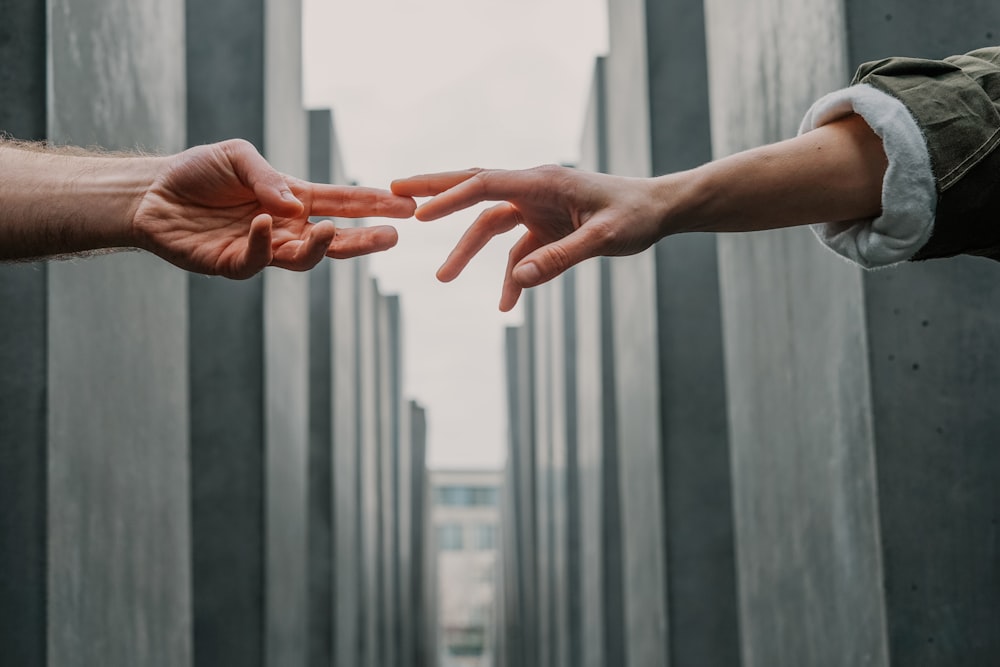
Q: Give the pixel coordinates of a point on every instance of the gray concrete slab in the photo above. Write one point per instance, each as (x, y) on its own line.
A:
(842, 559)
(538, 313)
(226, 376)
(600, 521)
(322, 152)
(345, 409)
(562, 568)
(286, 345)
(23, 461)
(225, 99)
(697, 512)
(517, 504)
(408, 538)
(370, 491)
(388, 408)
(528, 488)
(24, 360)
(425, 550)
(633, 282)
(117, 372)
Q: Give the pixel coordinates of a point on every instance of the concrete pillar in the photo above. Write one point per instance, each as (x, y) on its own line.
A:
(633, 290)
(225, 99)
(602, 613)
(673, 446)
(424, 606)
(345, 409)
(322, 154)
(857, 401)
(248, 436)
(521, 528)
(24, 360)
(697, 497)
(371, 517)
(117, 398)
(286, 342)
(389, 399)
(538, 313)
(408, 538)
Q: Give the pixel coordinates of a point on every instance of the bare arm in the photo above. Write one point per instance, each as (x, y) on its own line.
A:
(217, 209)
(832, 173)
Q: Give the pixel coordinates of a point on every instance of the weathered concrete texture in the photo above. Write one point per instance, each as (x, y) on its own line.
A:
(323, 363)
(345, 409)
(521, 538)
(539, 315)
(226, 377)
(421, 615)
(564, 566)
(408, 538)
(225, 99)
(697, 513)
(286, 343)
(370, 492)
(23, 78)
(388, 407)
(633, 283)
(425, 581)
(854, 546)
(600, 523)
(23, 462)
(23, 358)
(117, 398)
(321, 469)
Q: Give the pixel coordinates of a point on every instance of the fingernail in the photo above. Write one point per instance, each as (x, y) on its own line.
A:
(288, 196)
(527, 274)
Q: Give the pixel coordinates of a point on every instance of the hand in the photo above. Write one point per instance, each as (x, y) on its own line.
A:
(222, 209)
(570, 215)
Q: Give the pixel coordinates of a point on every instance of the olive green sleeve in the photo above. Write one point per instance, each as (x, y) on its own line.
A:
(956, 104)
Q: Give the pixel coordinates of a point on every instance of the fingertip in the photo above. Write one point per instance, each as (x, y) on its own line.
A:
(421, 214)
(444, 275)
(386, 236)
(399, 187)
(527, 274)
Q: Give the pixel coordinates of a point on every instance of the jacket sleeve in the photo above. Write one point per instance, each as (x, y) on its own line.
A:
(956, 104)
(939, 121)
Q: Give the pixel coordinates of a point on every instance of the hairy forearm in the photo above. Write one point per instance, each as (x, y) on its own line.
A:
(831, 174)
(54, 202)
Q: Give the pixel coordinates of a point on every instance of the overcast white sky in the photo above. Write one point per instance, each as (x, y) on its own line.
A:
(430, 85)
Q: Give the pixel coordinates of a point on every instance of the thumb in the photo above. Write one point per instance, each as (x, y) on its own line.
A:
(554, 258)
(269, 186)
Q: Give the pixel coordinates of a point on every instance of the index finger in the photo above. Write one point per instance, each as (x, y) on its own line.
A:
(351, 201)
(428, 185)
(483, 185)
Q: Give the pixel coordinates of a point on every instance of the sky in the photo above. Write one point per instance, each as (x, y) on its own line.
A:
(432, 85)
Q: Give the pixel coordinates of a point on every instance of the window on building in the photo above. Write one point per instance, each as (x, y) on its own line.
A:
(467, 496)
(450, 537)
(484, 537)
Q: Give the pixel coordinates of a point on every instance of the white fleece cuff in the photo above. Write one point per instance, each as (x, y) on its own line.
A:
(909, 196)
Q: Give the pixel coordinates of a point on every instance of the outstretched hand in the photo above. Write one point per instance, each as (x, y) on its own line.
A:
(570, 215)
(221, 209)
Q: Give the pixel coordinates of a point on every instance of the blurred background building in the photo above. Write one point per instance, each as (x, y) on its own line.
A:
(466, 518)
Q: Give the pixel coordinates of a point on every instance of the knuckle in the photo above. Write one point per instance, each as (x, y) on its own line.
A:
(558, 258)
(604, 235)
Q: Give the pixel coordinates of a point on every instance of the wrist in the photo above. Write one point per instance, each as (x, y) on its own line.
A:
(681, 200)
(117, 186)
